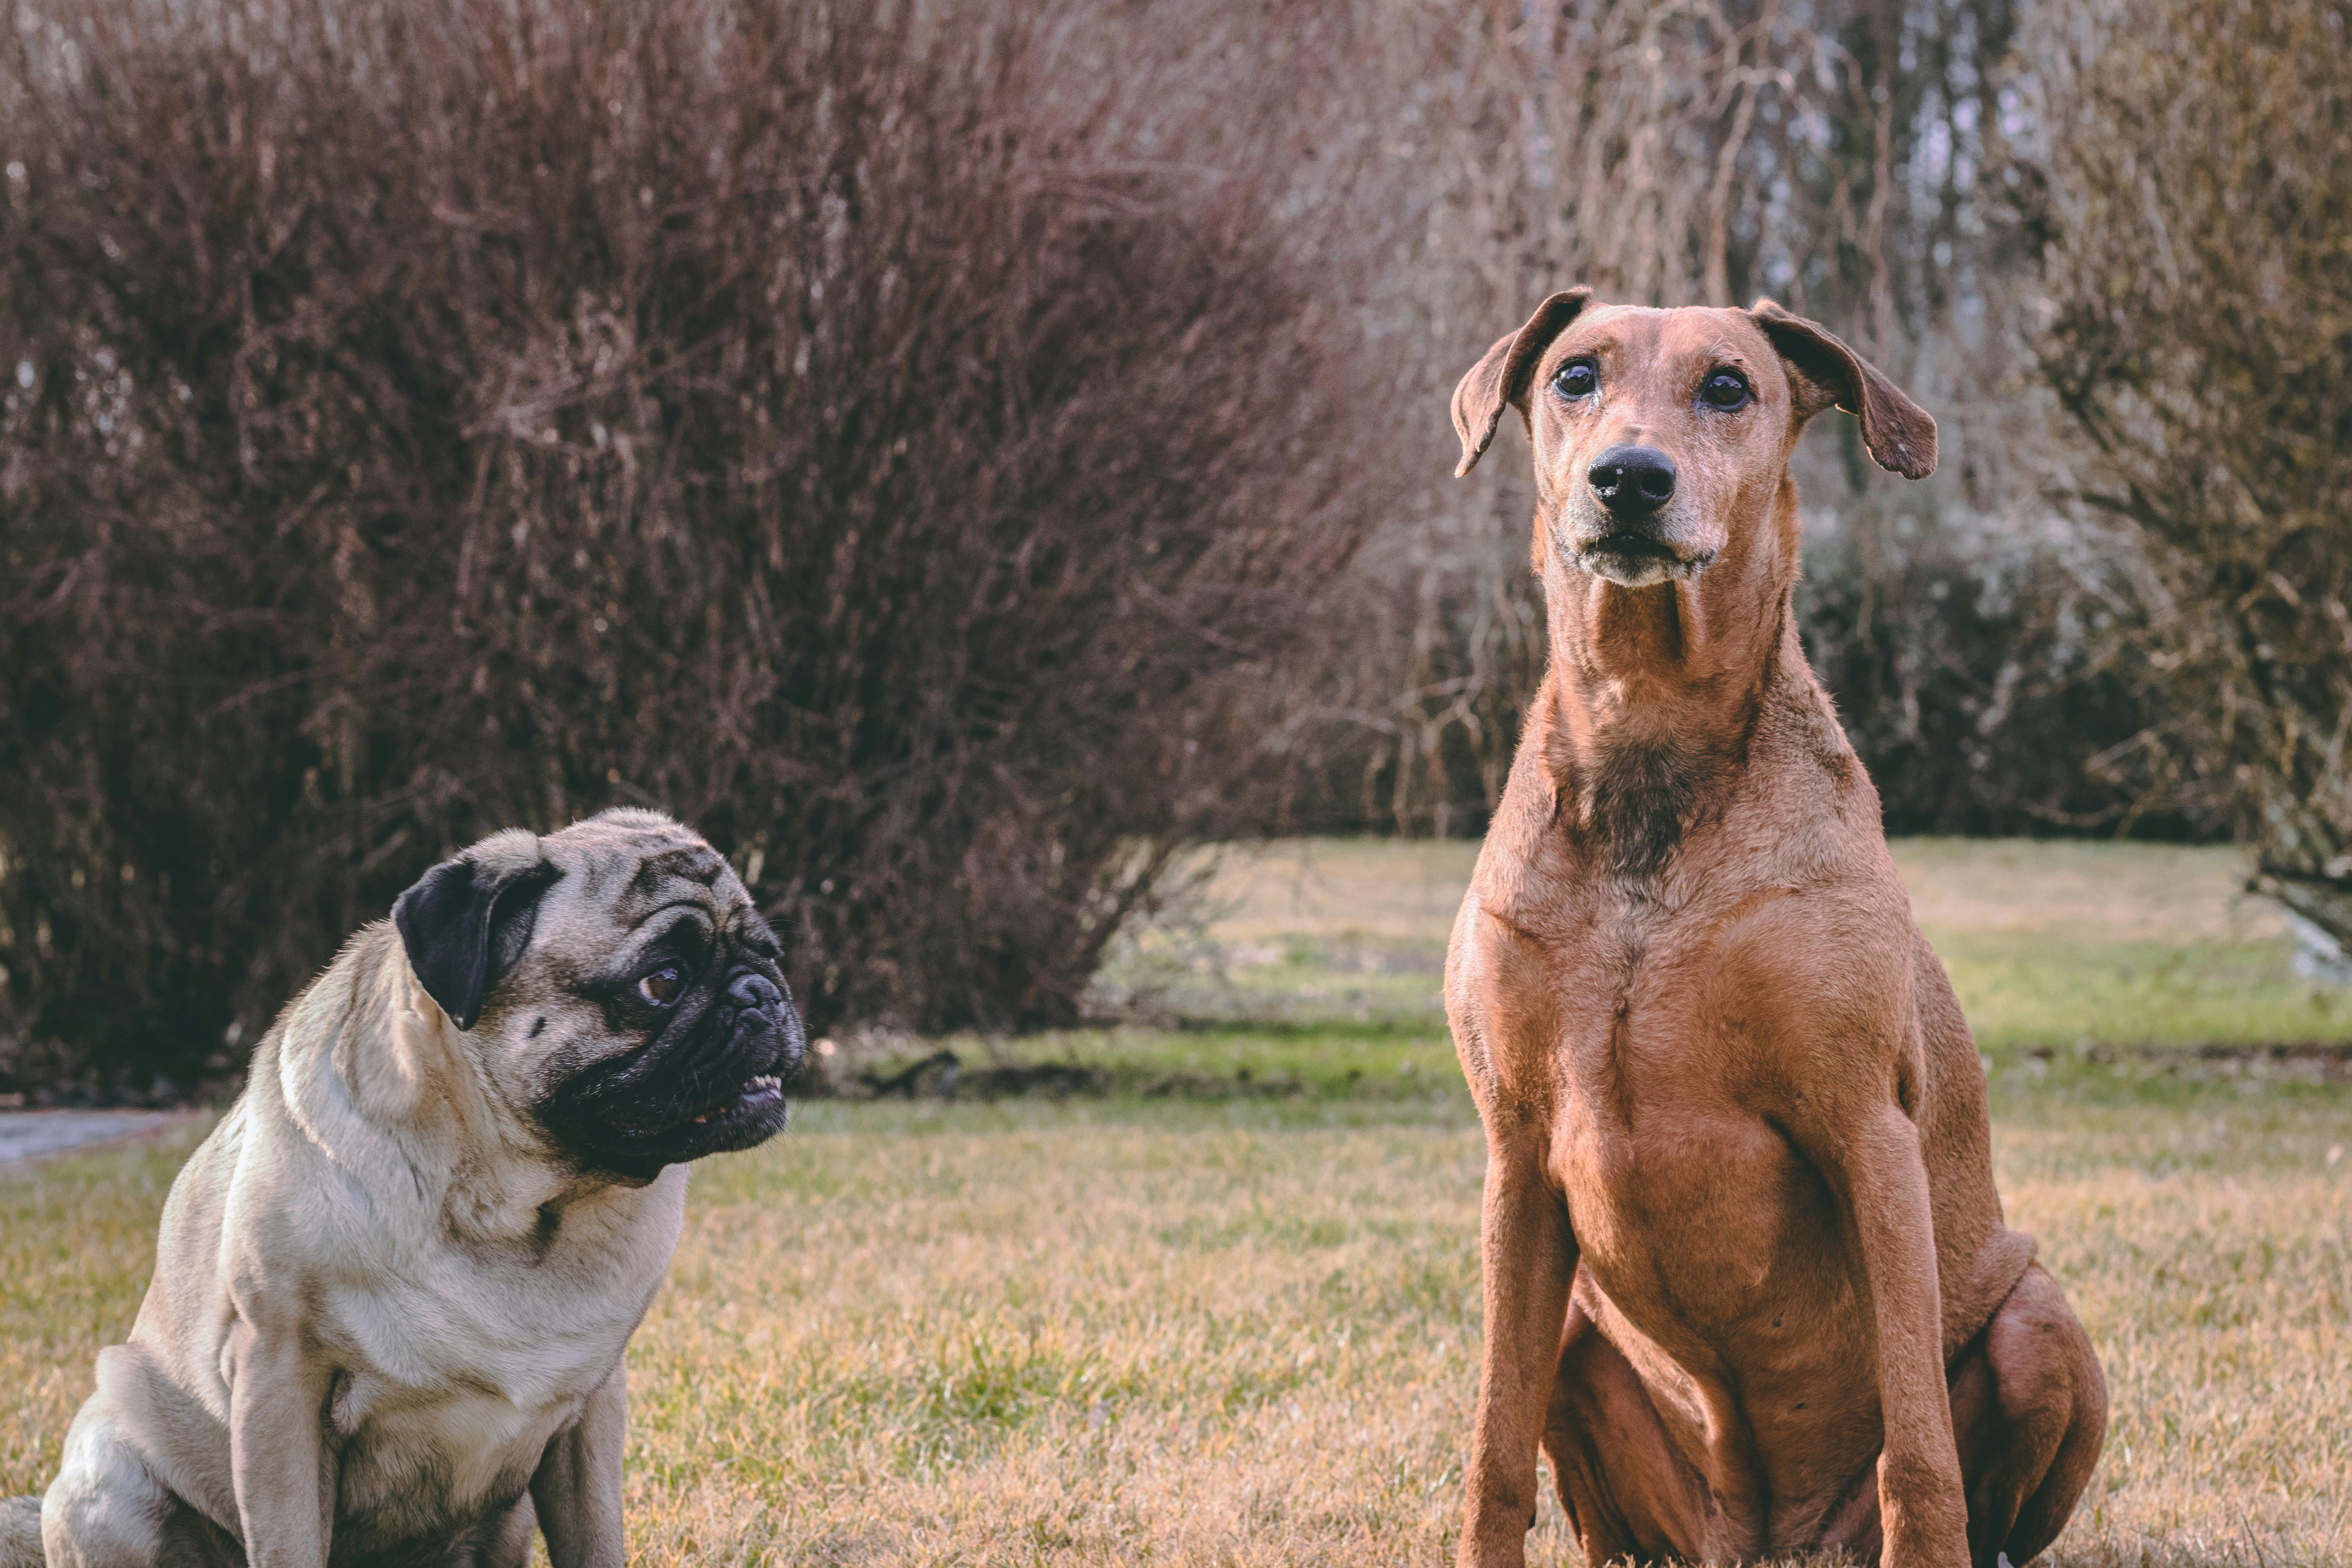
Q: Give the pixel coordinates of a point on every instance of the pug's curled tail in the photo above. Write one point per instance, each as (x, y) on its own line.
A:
(20, 1532)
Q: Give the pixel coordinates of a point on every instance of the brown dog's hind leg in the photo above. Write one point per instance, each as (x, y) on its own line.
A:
(2029, 1409)
(1626, 1494)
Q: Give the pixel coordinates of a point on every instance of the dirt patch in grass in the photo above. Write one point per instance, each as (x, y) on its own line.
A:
(946, 1076)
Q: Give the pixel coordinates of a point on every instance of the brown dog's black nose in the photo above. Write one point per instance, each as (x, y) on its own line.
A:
(1631, 481)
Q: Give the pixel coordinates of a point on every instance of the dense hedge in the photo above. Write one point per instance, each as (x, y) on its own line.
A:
(1979, 687)
(421, 420)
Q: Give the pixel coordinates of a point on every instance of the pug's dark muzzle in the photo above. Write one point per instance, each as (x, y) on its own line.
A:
(710, 1081)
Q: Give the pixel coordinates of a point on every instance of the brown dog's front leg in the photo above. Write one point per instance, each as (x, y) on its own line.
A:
(1530, 1258)
(1878, 1168)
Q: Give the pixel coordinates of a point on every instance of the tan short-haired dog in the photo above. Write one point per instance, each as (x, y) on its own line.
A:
(1747, 1281)
(393, 1288)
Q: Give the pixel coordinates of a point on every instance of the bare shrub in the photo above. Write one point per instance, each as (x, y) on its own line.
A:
(2193, 192)
(864, 432)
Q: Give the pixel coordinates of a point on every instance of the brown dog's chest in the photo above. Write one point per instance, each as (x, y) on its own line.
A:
(1701, 1229)
(1677, 1185)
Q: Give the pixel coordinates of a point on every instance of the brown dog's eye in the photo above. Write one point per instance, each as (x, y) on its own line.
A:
(663, 986)
(1577, 378)
(1723, 389)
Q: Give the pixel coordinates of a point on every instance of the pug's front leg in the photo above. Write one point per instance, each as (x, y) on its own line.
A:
(279, 1462)
(577, 1490)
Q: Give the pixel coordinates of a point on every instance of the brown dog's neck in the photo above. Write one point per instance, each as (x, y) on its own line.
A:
(1653, 694)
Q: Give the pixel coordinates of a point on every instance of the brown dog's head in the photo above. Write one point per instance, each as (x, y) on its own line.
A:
(1657, 432)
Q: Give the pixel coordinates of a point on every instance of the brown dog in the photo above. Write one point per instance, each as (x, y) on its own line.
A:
(1746, 1276)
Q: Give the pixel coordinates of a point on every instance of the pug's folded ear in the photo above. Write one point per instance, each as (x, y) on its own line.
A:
(467, 921)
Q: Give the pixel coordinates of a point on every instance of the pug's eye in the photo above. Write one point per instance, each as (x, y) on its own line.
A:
(1577, 378)
(1725, 389)
(663, 985)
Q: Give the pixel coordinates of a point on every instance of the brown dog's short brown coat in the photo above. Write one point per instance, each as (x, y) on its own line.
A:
(1747, 1279)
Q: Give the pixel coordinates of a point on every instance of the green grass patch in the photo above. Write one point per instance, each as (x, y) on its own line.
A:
(2045, 988)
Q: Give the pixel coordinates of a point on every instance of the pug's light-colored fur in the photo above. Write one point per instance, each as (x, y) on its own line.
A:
(388, 1310)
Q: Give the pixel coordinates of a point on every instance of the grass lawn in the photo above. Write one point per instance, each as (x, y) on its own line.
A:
(2049, 945)
(1237, 1322)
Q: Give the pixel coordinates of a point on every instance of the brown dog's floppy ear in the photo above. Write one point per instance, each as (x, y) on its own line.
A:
(466, 924)
(1899, 433)
(1499, 380)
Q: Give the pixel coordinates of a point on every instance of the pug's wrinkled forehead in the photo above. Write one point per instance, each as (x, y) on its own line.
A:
(628, 876)
(632, 863)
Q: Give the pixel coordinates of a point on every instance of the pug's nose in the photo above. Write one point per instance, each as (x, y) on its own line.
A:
(754, 991)
(1631, 481)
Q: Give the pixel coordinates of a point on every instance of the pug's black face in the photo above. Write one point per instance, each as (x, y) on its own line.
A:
(719, 1033)
(615, 984)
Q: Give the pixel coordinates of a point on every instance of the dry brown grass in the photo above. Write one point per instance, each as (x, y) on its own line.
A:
(1094, 1334)
(1120, 1331)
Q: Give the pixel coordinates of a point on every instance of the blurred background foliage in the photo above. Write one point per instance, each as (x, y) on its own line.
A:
(962, 453)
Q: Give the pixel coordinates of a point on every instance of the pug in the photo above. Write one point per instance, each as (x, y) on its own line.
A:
(392, 1287)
